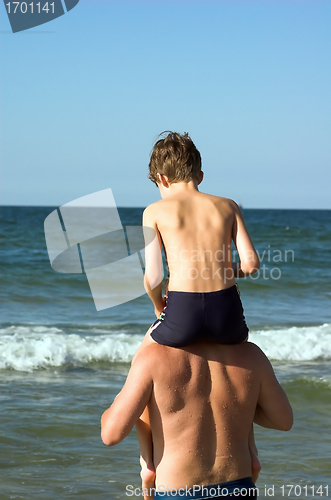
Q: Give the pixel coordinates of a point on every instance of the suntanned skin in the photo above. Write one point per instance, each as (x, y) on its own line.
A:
(201, 409)
(196, 230)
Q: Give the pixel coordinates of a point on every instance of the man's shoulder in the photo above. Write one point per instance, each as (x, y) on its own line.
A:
(257, 356)
(248, 354)
(151, 355)
(152, 362)
(253, 349)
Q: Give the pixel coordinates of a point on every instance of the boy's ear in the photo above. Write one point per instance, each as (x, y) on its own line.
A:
(200, 178)
(163, 179)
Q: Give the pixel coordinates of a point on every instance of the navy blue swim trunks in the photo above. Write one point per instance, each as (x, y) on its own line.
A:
(191, 317)
(239, 489)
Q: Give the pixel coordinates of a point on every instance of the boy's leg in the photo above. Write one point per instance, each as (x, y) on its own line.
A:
(147, 340)
(145, 436)
(147, 473)
(256, 466)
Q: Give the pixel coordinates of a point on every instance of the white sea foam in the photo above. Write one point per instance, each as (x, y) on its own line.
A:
(296, 343)
(27, 348)
(30, 348)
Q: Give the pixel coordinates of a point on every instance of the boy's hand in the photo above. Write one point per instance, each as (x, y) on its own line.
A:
(159, 309)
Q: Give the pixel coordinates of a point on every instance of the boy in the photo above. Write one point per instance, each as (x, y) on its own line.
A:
(195, 229)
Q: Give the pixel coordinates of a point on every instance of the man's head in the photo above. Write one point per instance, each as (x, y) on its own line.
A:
(176, 157)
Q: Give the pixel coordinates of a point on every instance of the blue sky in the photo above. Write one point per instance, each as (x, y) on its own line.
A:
(83, 98)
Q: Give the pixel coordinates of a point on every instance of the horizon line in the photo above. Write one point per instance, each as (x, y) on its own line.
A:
(143, 207)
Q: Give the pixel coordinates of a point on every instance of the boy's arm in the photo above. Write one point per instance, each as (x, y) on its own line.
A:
(249, 260)
(153, 263)
(118, 420)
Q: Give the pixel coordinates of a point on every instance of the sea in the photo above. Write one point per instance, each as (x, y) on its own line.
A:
(62, 361)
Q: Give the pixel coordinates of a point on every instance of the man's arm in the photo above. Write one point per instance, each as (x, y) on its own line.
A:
(118, 420)
(153, 263)
(273, 408)
(249, 260)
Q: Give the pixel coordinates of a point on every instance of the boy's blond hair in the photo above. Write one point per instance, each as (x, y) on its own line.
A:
(176, 157)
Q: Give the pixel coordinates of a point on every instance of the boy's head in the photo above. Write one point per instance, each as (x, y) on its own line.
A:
(176, 157)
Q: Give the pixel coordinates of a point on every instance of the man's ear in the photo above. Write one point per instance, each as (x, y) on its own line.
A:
(163, 179)
(200, 178)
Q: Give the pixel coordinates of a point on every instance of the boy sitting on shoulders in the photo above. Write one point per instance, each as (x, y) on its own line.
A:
(195, 230)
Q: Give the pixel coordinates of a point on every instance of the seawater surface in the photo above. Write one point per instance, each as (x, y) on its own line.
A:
(62, 362)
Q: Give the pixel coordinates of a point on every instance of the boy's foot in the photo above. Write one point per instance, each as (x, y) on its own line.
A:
(256, 468)
(148, 476)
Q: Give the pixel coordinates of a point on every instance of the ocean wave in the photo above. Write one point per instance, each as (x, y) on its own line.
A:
(309, 385)
(26, 348)
(306, 343)
(31, 347)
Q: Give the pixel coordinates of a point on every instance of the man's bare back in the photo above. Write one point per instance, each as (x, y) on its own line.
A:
(206, 416)
(201, 409)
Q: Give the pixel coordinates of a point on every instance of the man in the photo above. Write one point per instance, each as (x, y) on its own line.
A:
(196, 229)
(202, 401)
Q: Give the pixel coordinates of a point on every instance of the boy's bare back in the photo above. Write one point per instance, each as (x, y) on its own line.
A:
(196, 230)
